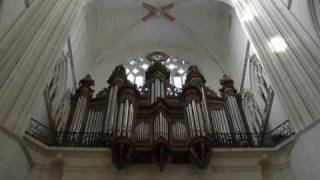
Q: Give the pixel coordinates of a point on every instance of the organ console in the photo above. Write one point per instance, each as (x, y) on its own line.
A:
(152, 125)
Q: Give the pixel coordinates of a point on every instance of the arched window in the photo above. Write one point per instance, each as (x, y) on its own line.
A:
(136, 68)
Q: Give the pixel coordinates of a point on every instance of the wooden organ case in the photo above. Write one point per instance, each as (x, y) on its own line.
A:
(152, 125)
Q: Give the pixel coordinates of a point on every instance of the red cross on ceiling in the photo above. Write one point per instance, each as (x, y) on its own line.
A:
(158, 11)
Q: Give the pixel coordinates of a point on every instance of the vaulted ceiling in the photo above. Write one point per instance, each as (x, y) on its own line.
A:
(115, 32)
(201, 27)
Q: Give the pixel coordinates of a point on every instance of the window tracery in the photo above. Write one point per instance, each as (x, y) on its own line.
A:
(136, 68)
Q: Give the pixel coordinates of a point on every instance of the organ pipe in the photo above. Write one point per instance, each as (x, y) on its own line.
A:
(201, 114)
(108, 112)
(125, 117)
(118, 130)
(205, 111)
(152, 93)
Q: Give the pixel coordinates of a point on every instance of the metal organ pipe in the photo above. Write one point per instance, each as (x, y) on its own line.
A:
(75, 115)
(118, 130)
(215, 118)
(83, 110)
(125, 117)
(97, 122)
(235, 113)
(201, 120)
(99, 129)
(196, 118)
(220, 121)
(191, 121)
(157, 89)
(162, 89)
(130, 120)
(92, 118)
(88, 122)
(239, 117)
(79, 112)
(225, 120)
(233, 117)
(205, 110)
(108, 112)
(144, 134)
(152, 93)
(114, 108)
(160, 127)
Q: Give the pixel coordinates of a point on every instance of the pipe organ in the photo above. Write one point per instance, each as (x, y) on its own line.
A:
(79, 105)
(154, 126)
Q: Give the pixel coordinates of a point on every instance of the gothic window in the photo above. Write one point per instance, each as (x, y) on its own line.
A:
(136, 68)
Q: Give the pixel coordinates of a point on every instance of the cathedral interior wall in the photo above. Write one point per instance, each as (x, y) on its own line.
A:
(303, 160)
(304, 157)
(10, 11)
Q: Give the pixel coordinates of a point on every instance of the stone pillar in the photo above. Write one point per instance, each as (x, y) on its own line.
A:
(293, 72)
(28, 54)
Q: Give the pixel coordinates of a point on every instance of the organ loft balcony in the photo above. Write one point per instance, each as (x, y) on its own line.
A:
(158, 123)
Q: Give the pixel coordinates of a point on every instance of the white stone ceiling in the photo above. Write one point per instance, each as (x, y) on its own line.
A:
(201, 29)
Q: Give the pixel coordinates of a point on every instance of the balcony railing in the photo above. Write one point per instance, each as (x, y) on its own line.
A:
(271, 138)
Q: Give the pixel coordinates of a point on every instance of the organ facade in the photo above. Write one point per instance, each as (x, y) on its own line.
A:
(158, 123)
(151, 125)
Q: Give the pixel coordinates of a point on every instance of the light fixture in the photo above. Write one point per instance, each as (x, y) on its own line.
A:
(135, 71)
(171, 66)
(278, 44)
(145, 66)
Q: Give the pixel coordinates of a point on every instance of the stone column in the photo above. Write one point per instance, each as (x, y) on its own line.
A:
(28, 54)
(293, 72)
